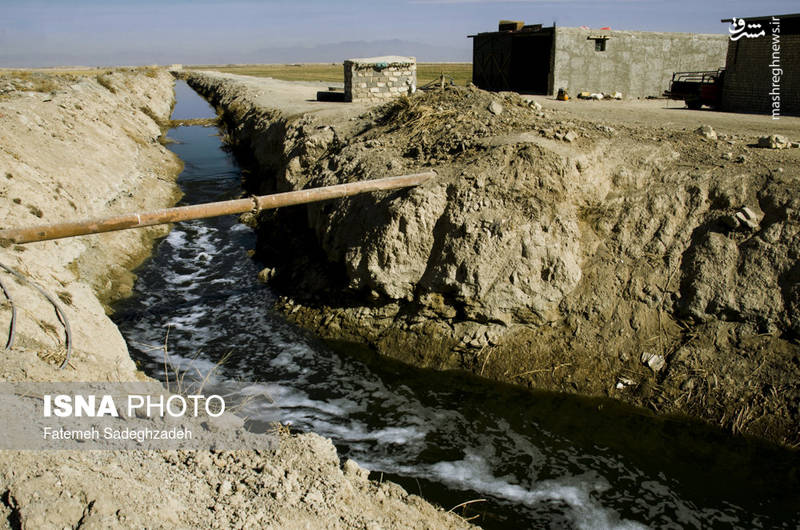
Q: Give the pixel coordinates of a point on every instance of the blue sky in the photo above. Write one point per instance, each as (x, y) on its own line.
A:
(93, 32)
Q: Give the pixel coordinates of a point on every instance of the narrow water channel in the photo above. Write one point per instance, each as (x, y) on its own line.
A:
(538, 460)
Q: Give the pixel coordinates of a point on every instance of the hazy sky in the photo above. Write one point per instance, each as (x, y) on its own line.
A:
(94, 32)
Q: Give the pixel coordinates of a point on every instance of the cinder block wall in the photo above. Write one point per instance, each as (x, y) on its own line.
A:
(748, 76)
(379, 78)
(636, 63)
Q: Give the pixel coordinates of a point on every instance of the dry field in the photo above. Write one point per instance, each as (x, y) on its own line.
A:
(50, 79)
(461, 73)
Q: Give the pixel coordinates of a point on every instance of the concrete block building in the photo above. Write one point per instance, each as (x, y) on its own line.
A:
(762, 72)
(540, 60)
(379, 78)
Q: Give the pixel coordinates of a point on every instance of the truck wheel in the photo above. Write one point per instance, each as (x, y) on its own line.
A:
(694, 104)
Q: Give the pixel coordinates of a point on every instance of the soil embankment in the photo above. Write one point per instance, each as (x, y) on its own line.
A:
(83, 147)
(76, 148)
(652, 264)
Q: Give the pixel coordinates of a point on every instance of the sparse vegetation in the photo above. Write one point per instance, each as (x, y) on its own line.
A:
(30, 81)
(147, 111)
(65, 297)
(149, 71)
(35, 210)
(105, 82)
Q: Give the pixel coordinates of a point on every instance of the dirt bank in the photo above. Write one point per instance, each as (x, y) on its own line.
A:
(78, 147)
(74, 148)
(651, 263)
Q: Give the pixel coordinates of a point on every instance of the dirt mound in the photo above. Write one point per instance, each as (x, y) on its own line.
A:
(440, 124)
(300, 485)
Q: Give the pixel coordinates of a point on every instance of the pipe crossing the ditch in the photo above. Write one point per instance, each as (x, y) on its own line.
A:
(211, 209)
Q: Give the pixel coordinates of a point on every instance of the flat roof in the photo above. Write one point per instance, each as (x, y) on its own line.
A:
(390, 60)
(765, 17)
(532, 29)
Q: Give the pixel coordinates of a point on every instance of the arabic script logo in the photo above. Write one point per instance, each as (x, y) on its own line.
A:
(740, 28)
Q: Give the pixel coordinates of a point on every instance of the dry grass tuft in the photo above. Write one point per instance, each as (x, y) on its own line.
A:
(279, 429)
(65, 297)
(105, 82)
(413, 115)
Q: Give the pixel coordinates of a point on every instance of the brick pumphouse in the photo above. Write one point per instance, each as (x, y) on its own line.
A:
(379, 78)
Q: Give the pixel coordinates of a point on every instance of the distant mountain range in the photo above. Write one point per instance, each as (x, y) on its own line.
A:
(339, 51)
(333, 52)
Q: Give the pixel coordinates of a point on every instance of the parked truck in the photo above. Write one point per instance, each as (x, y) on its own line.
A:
(697, 88)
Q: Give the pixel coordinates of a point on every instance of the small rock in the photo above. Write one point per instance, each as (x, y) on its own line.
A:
(741, 159)
(495, 108)
(571, 136)
(225, 488)
(795, 145)
(727, 156)
(616, 95)
(535, 104)
(624, 382)
(653, 361)
(706, 131)
(266, 274)
(352, 469)
(745, 221)
(750, 214)
(773, 141)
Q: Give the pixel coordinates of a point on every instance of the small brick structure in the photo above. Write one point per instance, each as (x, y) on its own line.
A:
(379, 78)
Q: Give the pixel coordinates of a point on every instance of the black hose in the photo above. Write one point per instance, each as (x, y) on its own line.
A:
(12, 326)
(62, 317)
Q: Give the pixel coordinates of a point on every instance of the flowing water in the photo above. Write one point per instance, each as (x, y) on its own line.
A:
(538, 460)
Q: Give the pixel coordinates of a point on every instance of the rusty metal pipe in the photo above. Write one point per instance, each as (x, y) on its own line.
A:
(211, 209)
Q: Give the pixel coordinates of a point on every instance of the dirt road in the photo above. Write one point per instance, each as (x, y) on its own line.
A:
(672, 115)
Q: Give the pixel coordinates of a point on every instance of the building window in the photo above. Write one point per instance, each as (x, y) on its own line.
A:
(599, 45)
